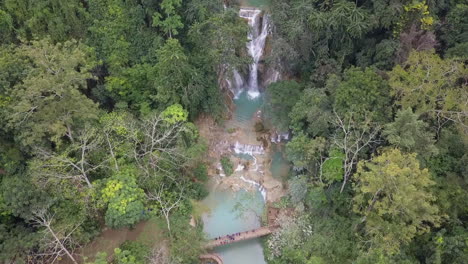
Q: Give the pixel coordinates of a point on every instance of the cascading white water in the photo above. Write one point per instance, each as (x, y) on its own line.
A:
(248, 149)
(257, 36)
(238, 84)
(261, 189)
(279, 137)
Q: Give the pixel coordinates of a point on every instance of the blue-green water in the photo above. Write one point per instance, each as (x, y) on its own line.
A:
(279, 165)
(246, 107)
(233, 212)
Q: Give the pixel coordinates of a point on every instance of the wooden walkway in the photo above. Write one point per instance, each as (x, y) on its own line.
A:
(212, 257)
(241, 236)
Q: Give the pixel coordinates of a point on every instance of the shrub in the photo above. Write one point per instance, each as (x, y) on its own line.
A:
(227, 165)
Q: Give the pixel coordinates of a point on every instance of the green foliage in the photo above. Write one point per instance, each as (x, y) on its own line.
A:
(305, 153)
(227, 165)
(201, 173)
(312, 113)
(435, 80)
(172, 73)
(60, 20)
(63, 61)
(458, 51)
(124, 257)
(278, 108)
(393, 197)
(49, 102)
(131, 252)
(186, 242)
(174, 114)
(6, 26)
(454, 29)
(332, 168)
(101, 258)
(298, 189)
(123, 198)
(363, 93)
(410, 134)
(381, 55)
(172, 21)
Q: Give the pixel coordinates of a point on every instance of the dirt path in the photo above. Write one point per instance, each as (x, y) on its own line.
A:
(109, 239)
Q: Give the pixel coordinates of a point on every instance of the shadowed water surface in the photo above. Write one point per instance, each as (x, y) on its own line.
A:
(233, 212)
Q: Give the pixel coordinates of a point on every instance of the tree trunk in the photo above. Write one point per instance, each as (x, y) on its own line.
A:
(61, 245)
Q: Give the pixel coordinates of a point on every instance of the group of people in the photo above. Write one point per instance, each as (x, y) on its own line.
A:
(231, 237)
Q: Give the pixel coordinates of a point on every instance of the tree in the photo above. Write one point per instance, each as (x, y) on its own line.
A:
(431, 86)
(298, 189)
(172, 75)
(331, 168)
(123, 199)
(216, 43)
(167, 199)
(57, 243)
(157, 142)
(393, 198)
(49, 103)
(60, 20)
(226, 165)
(454, 29)
(276, 106)
(363, 93)
(172, 21)
(352, 138)
(186, 242)
(312, 113)
(75, 163)
(410, 134)
(305, 153)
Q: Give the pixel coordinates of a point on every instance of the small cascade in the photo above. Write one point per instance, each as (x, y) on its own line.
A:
(248, 149)
(256, 45)
(257, 185)
(240, 167)
(279, 137)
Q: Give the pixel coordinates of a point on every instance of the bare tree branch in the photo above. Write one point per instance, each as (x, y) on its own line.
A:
(352, 139)
(55, 243)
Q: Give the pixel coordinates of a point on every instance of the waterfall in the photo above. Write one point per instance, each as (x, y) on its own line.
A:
(238, 84)
(257, 36)
(279, 137)
(248, 149)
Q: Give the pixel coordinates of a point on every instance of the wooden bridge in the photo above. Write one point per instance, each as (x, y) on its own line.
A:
(241, 236)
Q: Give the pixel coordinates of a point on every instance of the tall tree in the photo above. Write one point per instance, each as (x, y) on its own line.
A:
(49, 102)
(172, 21)
(363, 93)
(276, 107)
(60, 20)
(410, 134)
(432, 86)
(393, 198)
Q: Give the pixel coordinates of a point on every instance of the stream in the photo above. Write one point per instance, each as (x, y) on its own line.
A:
(239, 207)
(236, 211)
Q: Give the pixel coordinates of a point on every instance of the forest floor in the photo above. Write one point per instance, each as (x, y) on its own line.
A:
(146, 232)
